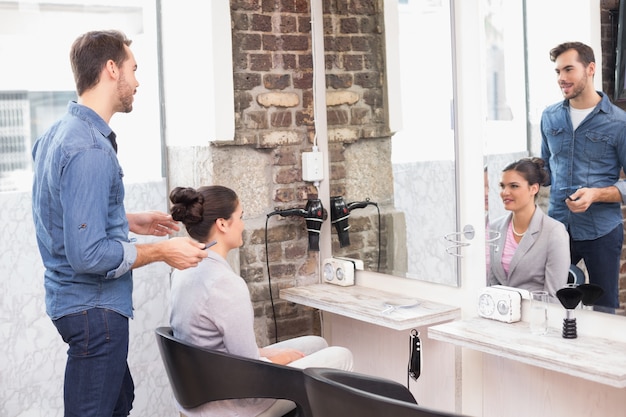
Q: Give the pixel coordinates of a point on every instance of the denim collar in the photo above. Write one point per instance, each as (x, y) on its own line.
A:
(86, 113)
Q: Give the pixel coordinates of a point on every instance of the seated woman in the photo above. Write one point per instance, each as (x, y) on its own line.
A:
(211, 304)
(533, 249)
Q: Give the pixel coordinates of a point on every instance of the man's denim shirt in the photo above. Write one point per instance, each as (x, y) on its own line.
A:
(80, 221)
(591, 156)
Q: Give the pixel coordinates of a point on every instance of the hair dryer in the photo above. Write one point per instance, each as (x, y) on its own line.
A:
(314, 214)
(340, 213)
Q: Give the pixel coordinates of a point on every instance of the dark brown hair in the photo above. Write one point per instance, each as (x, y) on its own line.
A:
(532, 169)
(199, 209)
(585, 53)
(90, 53)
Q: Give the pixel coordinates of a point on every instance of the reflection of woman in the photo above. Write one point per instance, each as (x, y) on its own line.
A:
(211, 304)
(533, 249)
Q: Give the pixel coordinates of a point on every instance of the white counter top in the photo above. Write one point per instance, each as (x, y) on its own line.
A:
(372, 305)
(595, 359)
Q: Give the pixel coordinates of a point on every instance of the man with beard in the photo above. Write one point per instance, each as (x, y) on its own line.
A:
(82, 229)
(584, 148)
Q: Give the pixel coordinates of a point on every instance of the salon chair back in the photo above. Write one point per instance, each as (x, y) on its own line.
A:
(575, 275)
(335, 393)
(198, 376)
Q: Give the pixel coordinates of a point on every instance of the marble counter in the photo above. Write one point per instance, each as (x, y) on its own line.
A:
(591, 358)
(382, 308)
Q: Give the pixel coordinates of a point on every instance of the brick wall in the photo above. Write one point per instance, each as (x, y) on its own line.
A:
(354, 44)
(274, 124)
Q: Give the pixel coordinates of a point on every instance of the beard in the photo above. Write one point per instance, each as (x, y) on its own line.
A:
(577, 88)
(125, 95)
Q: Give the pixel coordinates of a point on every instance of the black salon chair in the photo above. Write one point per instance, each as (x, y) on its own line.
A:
(335, 393)
(198, 376)
(575, 276)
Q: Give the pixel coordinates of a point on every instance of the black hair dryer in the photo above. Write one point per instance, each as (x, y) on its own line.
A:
(314, 214)
(339, 215)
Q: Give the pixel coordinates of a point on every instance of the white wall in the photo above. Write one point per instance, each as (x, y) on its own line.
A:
(33, 354)
(197, 72)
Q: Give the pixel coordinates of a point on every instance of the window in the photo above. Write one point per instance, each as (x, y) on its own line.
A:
(23, 117)
(36, 82)
(505, 77)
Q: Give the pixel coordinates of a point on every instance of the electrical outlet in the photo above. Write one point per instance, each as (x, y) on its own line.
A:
(312, 166)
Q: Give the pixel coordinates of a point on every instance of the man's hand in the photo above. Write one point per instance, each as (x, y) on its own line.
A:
(583, 198)
(177, 252)
(580, 201)
(153, 223)
(281, 356)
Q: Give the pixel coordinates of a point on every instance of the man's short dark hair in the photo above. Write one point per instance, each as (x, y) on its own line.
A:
(585, 53)
(91, 51)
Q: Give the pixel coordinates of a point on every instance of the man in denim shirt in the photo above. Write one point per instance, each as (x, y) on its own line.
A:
(82, 229)
(584, 147)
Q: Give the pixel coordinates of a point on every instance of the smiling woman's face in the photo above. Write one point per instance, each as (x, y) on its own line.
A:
(515, 191)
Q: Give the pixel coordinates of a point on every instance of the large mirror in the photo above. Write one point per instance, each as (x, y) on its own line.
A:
(519, 41)
(519, 82)
(507, 138)
(419, 208)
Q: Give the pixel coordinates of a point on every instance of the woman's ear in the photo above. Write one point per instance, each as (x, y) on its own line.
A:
(221, 225)
(534, 189)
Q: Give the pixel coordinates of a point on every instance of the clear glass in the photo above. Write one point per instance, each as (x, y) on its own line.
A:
(538, 312)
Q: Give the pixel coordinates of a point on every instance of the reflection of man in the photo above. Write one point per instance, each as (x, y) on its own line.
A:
(584, 147)
(82, 230)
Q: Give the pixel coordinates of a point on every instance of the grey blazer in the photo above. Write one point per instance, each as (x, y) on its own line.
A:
(542, 259)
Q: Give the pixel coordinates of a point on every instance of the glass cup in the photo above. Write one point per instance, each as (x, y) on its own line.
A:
(539, 312)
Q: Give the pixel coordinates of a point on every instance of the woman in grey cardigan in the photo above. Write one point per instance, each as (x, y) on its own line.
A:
(532, 251)
(211, 304)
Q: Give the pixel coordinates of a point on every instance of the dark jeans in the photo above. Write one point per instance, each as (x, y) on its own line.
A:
(602, 259)
(97, 379)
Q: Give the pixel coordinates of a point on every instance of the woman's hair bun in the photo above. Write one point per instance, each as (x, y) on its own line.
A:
(187, 205)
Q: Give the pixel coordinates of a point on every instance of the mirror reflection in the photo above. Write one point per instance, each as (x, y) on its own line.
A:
(531, 250)
(422, 208)
(517, 78)
(549, 86)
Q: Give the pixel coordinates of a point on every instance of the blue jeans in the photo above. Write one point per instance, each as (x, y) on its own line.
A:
(602, 259)
(97, 379)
